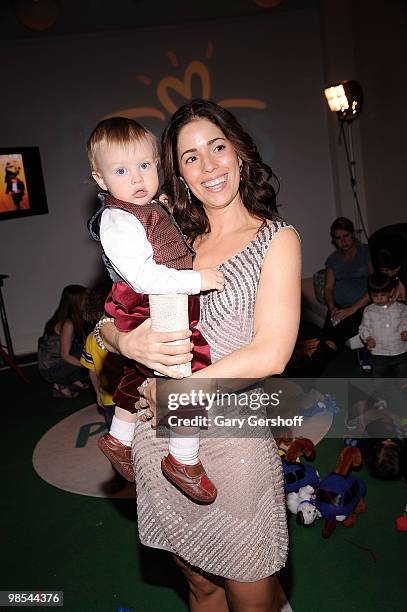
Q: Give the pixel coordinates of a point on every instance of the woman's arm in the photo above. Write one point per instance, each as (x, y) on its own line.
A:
(365, 299)
(329, 290)
(276, 316)
(66, 339)
(342, 313)
(361, 303)
(149, 347)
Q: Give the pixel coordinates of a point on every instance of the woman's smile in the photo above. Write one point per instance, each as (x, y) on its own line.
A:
(216, 184)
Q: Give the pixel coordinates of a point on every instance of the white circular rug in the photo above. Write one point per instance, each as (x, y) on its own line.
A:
(68, 457)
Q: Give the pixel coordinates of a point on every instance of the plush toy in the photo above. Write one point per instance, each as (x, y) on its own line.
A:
(340, 495)
(296, 473)
(302, 503)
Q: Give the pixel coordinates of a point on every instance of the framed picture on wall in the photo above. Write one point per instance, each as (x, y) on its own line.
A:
(22, 190)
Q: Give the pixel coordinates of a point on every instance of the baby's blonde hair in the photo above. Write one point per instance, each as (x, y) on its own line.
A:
(119, 131)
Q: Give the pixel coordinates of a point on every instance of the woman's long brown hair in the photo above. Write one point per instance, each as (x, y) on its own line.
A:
(256, 191)
(70, 307)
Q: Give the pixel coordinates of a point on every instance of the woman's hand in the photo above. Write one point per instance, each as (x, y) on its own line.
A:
(151, 348)
(399, 293)
(148, 398)
(342, 313)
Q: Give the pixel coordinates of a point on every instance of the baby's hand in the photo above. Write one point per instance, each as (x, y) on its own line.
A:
(211, 279)
(403, 335)
(370, 342)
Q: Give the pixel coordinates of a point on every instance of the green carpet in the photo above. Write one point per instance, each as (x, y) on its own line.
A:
(88, 547)
(85, 546)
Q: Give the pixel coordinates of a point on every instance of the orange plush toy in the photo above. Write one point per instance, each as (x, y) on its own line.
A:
(299, 447)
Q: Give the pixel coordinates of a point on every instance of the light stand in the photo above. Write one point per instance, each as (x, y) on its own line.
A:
(8, 357)
(346, 100)
(351, 163)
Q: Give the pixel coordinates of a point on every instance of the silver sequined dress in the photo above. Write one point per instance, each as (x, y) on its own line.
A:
(243, 534)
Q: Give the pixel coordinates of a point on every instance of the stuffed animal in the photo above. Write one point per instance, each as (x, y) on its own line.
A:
(340, 495)
(296, 473)
(302, 504)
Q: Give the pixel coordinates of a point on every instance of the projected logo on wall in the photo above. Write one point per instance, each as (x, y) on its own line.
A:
(67, 457)
(170, 85)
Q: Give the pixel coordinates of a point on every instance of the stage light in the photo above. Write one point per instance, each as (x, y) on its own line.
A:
(345, 99)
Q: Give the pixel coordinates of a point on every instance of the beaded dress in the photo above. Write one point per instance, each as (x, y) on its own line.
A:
(243, 534)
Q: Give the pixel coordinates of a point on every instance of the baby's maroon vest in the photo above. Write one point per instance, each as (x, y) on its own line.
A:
(169, 245)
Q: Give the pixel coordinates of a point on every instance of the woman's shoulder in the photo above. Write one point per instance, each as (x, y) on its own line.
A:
(273, 226)
(363, 250)
(270, 230)
(67, 325)
(333, 260)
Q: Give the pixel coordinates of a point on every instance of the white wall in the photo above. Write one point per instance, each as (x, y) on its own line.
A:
(381, 54)
(339, 64)
(60, 88)
(366, 41)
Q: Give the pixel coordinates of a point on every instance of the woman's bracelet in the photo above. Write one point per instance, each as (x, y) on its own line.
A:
(97, 329)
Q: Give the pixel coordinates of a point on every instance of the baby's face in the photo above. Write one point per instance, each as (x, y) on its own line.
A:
(381, 299)
(128, 173)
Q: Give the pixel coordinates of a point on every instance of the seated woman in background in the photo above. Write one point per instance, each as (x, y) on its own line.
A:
(345, 292)
(61, 344)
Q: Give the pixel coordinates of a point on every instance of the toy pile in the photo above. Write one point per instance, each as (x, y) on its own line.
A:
(336, 499)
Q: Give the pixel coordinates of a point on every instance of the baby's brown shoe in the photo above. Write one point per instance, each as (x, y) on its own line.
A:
(190, 479)
(118, 454)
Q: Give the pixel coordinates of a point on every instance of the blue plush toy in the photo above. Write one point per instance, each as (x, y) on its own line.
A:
(296, 473)
(340, 495)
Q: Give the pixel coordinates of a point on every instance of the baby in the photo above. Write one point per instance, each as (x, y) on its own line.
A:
(384, 329)
(145, 253)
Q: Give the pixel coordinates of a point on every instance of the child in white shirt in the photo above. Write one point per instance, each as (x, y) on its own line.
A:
(384, 329)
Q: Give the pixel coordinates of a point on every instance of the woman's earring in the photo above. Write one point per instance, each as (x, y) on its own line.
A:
(183, 181)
